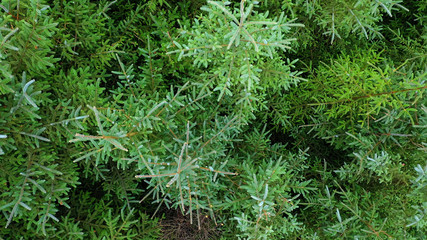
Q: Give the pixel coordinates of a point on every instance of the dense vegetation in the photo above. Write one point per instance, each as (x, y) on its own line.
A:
(160, 119)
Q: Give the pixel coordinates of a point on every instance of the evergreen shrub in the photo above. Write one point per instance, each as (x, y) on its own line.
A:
(160, 119)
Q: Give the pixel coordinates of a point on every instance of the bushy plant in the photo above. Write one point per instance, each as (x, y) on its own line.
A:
(226, 120)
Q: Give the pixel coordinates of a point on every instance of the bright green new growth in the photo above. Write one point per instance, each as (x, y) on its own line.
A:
(213, 119)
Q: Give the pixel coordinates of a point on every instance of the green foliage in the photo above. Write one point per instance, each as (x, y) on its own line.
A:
(251, 120)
